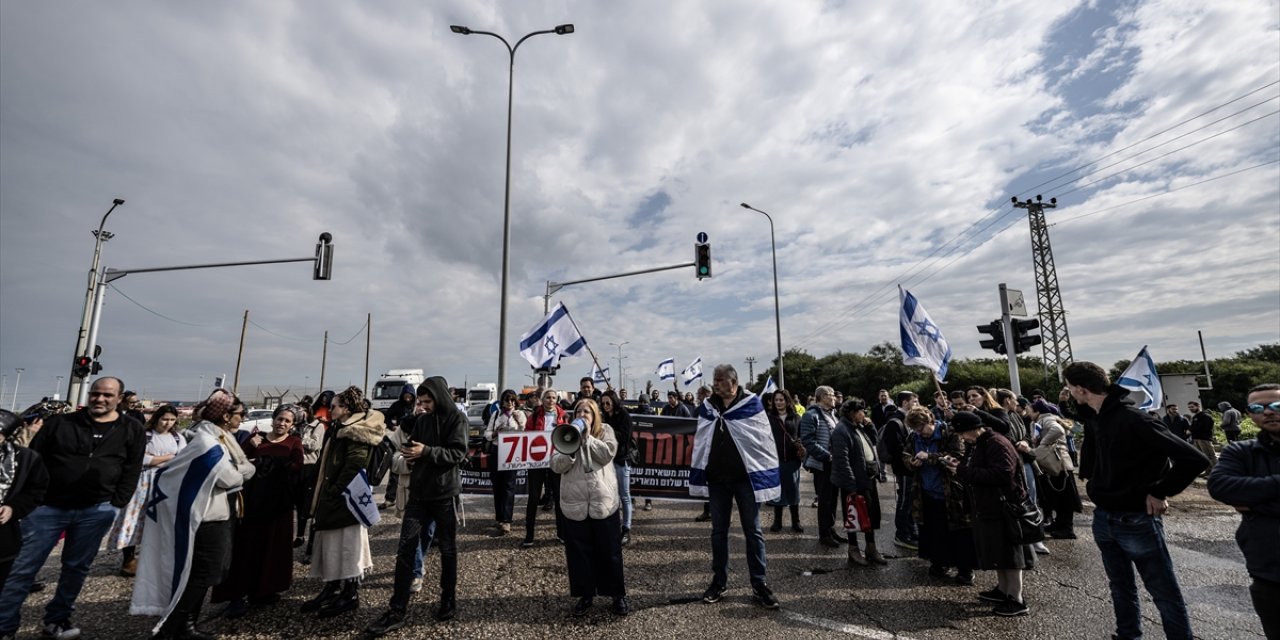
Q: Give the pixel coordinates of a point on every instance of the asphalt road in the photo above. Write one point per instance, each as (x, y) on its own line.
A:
(508, 592)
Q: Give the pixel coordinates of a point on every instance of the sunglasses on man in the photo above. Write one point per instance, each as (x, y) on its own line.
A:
(1259, 408)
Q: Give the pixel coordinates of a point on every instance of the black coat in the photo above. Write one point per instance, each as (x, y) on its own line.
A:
(993, 471)
(620, 421)
(29, 484)
(1128, 455)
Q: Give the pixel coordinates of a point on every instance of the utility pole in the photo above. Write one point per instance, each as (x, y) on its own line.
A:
(244, 327)
(751, 369)
(1053, 318)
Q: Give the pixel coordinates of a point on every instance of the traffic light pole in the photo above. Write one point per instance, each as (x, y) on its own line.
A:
(1010, 350)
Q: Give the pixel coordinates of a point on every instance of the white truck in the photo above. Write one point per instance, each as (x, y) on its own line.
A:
(479, 397)
(389, 385)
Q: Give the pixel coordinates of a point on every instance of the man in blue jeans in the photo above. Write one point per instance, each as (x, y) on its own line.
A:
(735, 461)
(94, 458)
(1132, 464)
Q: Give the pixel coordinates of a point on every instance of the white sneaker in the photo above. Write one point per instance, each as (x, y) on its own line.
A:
(416, 585)
(64, 630)
(1040, 548)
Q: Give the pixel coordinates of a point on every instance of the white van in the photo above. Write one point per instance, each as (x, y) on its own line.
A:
(389, 385)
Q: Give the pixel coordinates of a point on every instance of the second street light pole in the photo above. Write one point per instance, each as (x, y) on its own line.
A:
(777, 309)
(506, 198)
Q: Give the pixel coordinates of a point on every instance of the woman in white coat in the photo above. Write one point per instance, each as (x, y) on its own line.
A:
(592, 522)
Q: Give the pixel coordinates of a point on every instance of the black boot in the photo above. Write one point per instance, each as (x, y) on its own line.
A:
(795, 519)
(347, 600)
(777, 520)
(327, 594)
(188, 630)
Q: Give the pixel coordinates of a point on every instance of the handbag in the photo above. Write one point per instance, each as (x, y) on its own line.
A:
(1023, 521)
(856, 516)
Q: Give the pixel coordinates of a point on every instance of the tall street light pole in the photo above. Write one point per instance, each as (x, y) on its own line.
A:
(622, 382)
(506, 199)
(100, 236)
(777, 309)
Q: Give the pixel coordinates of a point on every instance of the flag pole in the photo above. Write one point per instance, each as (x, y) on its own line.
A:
(607, 383)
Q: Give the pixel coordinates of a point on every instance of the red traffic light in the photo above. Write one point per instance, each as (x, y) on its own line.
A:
(83, 365)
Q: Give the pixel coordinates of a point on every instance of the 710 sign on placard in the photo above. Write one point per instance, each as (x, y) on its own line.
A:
(528, 450)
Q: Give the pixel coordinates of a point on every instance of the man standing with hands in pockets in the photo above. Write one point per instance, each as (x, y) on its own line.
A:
(436, 446)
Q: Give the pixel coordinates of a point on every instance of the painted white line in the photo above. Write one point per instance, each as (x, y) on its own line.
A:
(842, 627)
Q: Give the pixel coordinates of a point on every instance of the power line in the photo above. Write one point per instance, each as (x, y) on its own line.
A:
(152, 311)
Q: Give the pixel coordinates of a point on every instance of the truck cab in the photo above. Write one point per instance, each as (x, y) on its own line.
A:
(389, 385)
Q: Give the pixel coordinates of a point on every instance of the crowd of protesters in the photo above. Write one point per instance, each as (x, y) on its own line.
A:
(215, 513)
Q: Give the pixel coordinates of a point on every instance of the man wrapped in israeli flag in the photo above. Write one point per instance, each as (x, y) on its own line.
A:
(735, 461)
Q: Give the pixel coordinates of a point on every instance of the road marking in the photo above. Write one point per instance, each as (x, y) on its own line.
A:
(842, 627)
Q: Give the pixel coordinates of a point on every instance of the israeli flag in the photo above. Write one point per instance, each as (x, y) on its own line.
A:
(922, 342)
(667, 369)
(359, 496)
(769, 386)
(556, 337)
(598, 375)
(692, 372)
(1141, 377)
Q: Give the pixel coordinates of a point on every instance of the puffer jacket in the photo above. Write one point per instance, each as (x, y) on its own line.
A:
(589, 495)
(1050, 447)
(345, 454)
(816, 426)
(1248, 475)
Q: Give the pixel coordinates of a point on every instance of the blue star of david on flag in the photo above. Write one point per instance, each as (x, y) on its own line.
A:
(359, 495)
(1141, 378)
(922, 341)
(157, 496)
(555, 337)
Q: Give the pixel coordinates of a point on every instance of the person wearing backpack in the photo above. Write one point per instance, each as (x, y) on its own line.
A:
(892, 444)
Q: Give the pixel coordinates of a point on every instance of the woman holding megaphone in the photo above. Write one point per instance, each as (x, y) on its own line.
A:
(590, 504)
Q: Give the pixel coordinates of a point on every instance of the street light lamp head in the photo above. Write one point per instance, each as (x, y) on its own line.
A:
(745, 205)
(1014, 199)
(459, 29)
(564, 29)
(118, 201)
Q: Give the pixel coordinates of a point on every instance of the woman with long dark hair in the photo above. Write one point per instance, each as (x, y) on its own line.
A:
(616, 416)
(785, 423)
(261, 558)
(163, 443)
(508, 418)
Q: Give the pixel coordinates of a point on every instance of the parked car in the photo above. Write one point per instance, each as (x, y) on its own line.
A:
(259, 419)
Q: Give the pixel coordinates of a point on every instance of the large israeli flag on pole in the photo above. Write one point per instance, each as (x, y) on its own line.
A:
(667, 369)
(1141, 377)
(922, 342)
(554, 338)
(692, 372)
(769, 386)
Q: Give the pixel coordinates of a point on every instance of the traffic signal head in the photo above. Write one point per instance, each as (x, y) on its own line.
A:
(324, 258)
(1023, 340)
(996, 330)
(82, 367)
(702, 260)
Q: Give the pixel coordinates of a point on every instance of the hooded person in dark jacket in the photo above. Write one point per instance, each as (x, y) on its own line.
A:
(436, 447)
(1132, 465)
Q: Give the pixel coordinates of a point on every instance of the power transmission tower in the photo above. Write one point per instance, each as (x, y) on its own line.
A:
(1053, 318)
(751, 369)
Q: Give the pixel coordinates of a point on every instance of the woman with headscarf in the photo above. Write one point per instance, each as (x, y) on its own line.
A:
(188, 543)
(312, 434)
(993, 473)
(1059, 495)
(785, 423)
(261, 555)
(853, 469)
(163, 443)
(508, 418)
(23, 481)
(342, 555)
(592, 526)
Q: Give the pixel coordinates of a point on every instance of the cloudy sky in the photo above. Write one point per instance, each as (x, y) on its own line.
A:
(884, 138)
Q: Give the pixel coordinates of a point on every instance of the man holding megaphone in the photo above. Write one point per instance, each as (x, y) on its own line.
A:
(583, 457)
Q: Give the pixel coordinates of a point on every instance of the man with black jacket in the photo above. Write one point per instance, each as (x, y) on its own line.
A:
(1132, 464)
(1177, 424)
(1202, 433)
(94, 458)
(1246, 478)
(437, 446)
(893, 440)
